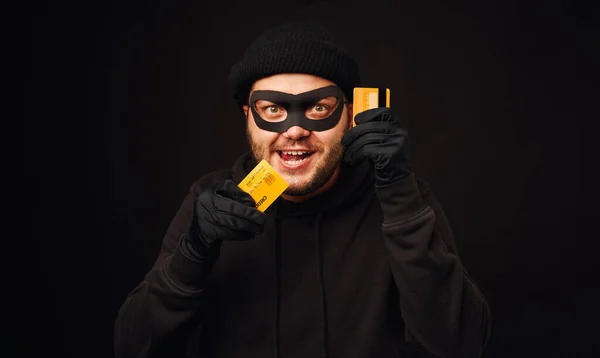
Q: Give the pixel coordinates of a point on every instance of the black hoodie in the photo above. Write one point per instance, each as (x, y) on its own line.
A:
(359, 271)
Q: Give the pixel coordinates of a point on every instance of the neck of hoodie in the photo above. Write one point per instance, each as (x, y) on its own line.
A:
(352, 182)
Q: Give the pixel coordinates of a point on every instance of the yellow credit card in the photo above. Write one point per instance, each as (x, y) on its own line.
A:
(264, 185)
(368, 98)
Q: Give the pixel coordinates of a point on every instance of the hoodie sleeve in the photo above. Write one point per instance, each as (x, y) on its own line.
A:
(445, 313)
(159, 315)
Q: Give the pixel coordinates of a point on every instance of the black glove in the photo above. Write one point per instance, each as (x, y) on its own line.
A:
(379, 137)
(222, 212)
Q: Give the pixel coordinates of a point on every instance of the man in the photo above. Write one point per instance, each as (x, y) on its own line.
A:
(355, 259)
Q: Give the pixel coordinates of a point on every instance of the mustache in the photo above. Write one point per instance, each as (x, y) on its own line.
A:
(315, 147)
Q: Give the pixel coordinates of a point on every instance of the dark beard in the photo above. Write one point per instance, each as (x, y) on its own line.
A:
(322, 174)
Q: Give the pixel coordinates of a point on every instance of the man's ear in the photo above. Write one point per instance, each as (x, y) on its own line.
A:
(245, 108)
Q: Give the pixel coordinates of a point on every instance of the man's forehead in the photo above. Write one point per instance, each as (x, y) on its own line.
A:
(291, 83)
(326, 90)
(291, 92)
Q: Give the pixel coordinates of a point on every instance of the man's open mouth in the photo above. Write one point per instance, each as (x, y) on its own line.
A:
(294, 157)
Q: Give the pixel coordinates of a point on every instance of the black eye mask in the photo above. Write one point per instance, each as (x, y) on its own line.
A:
(296, 106)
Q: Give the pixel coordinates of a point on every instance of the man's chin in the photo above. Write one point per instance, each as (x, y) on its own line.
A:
(301, 182)
(307, 183)
(300, 187)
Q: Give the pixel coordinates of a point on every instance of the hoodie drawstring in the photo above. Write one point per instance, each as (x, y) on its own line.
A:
(277, 257)
(322, 284)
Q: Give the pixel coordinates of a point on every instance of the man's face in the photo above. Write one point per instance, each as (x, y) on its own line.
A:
(306, 159)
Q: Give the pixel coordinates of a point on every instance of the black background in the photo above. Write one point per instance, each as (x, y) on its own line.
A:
(126, 104)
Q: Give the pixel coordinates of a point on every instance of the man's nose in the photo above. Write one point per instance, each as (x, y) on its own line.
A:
(296, 132)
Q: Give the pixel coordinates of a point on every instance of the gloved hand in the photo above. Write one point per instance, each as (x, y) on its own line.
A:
(222, 212)
(378, 136)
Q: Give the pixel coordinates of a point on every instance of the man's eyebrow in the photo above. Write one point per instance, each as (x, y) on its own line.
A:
(266, 100)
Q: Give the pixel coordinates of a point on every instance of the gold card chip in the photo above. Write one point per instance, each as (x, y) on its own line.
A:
(368, 98)
(264, 185)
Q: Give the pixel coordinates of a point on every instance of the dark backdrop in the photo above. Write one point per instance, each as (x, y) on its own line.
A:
(127, 104)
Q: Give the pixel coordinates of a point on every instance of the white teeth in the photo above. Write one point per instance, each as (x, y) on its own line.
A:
(294, 162)
(294, 152)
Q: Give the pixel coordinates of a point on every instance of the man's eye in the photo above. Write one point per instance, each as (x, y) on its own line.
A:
(320, 108)
(271, 112)
(318, 111)
(273, 109)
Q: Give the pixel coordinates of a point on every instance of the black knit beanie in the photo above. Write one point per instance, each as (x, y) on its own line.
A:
(294, 47)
